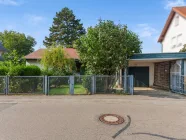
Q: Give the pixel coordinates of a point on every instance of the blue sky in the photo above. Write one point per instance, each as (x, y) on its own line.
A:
(34, 17)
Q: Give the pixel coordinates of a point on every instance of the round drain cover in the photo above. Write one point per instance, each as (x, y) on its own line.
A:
(111, 119)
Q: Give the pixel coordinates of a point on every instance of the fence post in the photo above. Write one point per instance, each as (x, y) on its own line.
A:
(71, 85)
(46, 85)
(7, 85)
(93, 84)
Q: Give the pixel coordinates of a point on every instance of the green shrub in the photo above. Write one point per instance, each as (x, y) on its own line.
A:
(16, 70)
(3, 70)
(25, 71)
(25, 84)
(32, 71)
(47, 72)
(55, 72)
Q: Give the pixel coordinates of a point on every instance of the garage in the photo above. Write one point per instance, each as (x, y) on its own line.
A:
(141, 76)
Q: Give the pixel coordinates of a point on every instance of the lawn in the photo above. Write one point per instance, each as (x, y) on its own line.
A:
(65, 90)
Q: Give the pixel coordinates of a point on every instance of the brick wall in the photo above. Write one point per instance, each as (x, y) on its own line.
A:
(162, 74)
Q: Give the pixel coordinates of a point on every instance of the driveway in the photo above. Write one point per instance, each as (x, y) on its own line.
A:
(76, 117)
(152, 92)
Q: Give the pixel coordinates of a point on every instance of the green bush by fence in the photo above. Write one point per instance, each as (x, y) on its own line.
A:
(3, 70)
(25, 71)
(21, 85)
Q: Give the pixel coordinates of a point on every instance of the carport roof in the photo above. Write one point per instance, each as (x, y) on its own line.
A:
(155, 56)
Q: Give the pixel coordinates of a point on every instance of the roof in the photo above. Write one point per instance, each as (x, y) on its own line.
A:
(181, 11)
(71, 53)
(150, 56)
(2, 48)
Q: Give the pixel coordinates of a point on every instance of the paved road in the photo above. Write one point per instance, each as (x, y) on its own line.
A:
(76, 117)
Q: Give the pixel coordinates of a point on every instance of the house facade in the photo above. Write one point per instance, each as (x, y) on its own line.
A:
(173, 35)
(35, 57)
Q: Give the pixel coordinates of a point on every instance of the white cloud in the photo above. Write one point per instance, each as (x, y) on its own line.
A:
(145, 30)
(173, 3)
(34, 19)
(11, 2)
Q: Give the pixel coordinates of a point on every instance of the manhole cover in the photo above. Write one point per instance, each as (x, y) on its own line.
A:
(111, 119)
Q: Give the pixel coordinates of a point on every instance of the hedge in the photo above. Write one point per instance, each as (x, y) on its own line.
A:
(3, 70)
(22, 84)
(20, 70)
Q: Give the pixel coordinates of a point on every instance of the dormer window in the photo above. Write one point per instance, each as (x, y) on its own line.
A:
(177, 20)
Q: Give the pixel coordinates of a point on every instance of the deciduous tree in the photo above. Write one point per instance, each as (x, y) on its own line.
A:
(183, 49)
(57, 61)
(19, 42)
(106, 47)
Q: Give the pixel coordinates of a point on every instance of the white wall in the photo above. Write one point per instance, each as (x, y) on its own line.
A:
(145, 64)
(174, 31)
(33, 62)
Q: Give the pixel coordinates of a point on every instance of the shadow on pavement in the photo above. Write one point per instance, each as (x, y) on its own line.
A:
(157, 135)
(150, 92)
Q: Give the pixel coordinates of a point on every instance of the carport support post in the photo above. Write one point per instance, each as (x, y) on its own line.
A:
(125, 80)
(182, 75)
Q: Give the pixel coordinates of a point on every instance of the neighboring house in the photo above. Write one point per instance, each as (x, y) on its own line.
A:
(156, 69)
(160, 69)
(34, 58)
(173, 36)
(2, 50)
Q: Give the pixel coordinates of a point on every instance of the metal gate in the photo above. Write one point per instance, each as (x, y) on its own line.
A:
(177, 83)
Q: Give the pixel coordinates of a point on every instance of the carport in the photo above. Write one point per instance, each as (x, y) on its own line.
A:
(155, 69)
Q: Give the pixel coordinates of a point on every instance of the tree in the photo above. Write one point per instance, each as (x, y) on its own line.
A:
(106, 47)
(19, 42)
(183, 49)
(13, 58)
(65, 29)
(57, 61)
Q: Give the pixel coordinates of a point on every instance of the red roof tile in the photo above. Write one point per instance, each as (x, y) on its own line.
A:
(181, 11)
(71, 53)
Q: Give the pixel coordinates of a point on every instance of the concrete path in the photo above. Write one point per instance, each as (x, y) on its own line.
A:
(76, 117)
(151, 92)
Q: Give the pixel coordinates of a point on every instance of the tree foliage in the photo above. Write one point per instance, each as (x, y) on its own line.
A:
(13, 58)
(19, 42)
(65, 29)
(107, 46)
(183, 49)
(56, 60)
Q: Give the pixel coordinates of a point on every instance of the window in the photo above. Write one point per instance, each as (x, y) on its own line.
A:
(173, 42)
(179, 40)
(177, 20)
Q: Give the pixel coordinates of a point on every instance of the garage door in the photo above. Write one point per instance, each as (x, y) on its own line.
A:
(141, 76)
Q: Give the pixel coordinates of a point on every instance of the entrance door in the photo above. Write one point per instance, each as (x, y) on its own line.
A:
(141, 76)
